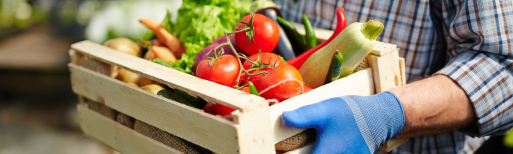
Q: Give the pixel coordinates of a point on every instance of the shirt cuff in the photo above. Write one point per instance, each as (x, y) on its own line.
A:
(488, 81)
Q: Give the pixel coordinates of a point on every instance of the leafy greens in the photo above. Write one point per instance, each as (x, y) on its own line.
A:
(199, 22)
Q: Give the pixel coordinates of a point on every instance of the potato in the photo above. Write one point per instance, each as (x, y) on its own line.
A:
(127, 76)
(143, 81)
(124, 45)
(153, 88)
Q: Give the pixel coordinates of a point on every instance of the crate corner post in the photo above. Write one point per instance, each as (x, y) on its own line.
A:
(389, 72)
(254, 128)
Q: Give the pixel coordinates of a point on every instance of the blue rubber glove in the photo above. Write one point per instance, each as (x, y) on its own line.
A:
(350, 124)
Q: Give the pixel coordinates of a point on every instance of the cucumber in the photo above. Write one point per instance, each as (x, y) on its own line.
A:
(334, 71)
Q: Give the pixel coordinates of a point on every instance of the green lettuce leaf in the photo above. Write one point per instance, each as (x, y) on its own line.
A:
(199, 22)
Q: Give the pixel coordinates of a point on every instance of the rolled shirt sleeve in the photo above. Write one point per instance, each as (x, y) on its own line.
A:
(479, 38)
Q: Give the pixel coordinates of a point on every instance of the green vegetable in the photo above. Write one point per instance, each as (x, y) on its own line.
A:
(334, 71)
(253, 89)
(184, 64)
(183, 97)
(355, 42)
(262, 4)
(148, 36)
(198, 23)
(508, 139)
(311, 40)
(197, 102)
(162, 62)
(175, 97)
(297, 40)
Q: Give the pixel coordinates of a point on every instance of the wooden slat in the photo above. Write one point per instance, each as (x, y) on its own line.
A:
(254, 131)
(194, 125)
(359, 83)
(392, 144)
(386, 70)
(117, 136)
(381, 48)
(195, 86)
(403, 70)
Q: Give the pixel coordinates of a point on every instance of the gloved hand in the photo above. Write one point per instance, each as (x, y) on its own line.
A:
(350, 124)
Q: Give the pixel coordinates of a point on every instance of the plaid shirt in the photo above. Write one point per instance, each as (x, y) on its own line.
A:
(467, 40)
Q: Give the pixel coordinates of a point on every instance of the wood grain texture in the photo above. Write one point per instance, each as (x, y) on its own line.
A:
(194, 125)
(359, 83)
(403, 70)
(254, 131)
(389, 73)
(256, 127)
(195, 86)
(386, 70)
(117, 136)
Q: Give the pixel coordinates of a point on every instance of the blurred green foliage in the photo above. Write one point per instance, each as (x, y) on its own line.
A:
(19, 14)
(508, 139)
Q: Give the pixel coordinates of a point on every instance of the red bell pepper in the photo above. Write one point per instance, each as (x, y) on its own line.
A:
(298, 61)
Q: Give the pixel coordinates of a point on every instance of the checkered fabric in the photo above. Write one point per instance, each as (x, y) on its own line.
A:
(467, 40)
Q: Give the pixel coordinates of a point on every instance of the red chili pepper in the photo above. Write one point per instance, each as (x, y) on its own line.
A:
(298, 61)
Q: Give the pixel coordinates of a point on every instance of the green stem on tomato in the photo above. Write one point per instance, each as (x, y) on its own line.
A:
(238, 60)
(249, 27)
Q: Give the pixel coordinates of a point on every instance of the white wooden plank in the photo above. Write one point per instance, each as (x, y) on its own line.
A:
(359, 83)
(381, 48)
(194, 125)
(254, 131)
(207, 90)
(117, 136)
(403, 70)
(386, 71)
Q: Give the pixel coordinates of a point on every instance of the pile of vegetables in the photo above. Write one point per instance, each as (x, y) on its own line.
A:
(223, 42)
(198, 23)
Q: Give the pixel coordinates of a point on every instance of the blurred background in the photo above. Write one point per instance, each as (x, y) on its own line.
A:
(37, 105)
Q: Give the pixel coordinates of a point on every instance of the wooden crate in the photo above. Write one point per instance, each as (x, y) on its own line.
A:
(255, 128)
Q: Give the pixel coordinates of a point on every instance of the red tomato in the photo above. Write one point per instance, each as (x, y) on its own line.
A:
(284, 90)
(224, 70)
(267, 58)
(210, 108)
(255, 78)
(307, 88)
(266, 35)
(246, 90)
(223, 110)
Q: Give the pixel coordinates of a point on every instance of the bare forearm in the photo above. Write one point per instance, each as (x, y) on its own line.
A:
(433, 105)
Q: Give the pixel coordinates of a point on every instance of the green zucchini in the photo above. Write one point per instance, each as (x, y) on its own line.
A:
(355, 42)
